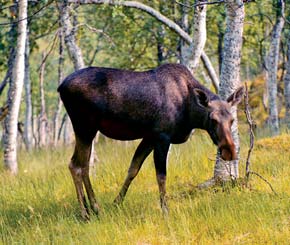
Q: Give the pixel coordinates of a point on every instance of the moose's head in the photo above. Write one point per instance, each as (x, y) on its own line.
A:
(219, 120)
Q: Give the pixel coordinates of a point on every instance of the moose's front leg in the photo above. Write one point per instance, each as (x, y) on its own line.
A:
(160, 159)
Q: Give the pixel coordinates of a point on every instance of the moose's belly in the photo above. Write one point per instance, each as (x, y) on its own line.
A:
(121, 130)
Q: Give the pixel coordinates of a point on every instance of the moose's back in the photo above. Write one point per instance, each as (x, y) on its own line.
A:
(125, 104)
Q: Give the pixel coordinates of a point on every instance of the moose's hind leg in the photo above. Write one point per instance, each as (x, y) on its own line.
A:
(79, 168)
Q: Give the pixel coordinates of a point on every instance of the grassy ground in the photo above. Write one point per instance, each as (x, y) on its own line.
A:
(40, 206)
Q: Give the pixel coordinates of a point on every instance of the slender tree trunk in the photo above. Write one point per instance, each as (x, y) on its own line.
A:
(230, 77)
(184, 46)
(272, 68)
(42, 120)
(56, 118)
(69, 32)
(28, 136)
(287, 85)
(16, 86)
(195, 49)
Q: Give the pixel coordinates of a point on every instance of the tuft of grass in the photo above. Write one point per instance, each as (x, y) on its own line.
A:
(39, 205)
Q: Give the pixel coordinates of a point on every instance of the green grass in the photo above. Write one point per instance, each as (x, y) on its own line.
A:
(40, 206)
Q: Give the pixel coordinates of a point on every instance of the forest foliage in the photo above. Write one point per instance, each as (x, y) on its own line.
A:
(127, 38)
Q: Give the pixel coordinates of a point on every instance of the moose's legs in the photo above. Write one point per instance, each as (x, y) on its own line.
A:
(79, 168)
(160, 160)
(142, 151)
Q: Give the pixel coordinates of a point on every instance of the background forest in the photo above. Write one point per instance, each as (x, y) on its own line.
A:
(120, 37)
(64, 36)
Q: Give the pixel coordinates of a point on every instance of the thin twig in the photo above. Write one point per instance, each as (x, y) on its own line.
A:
(28, 17)
(7, 7)
(252, 138)
(250, 122)
(50, 50)
(199, 3)
(92, 29)
(261, 177)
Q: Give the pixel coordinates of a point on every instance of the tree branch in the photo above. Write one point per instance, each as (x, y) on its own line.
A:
(163, 19)
(28, 17)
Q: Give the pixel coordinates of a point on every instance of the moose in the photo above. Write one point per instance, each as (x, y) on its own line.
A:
(160, 106)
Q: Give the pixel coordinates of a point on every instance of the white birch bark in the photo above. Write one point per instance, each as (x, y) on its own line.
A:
(230, 77)
(287, 85)
(69, 31)
(42, 120)
(16, 86)
(271, 72)
(28, 136)
(194, 51)
(56, 118)
(184, 46)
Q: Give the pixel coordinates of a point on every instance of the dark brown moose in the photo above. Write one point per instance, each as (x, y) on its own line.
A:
(160, 106)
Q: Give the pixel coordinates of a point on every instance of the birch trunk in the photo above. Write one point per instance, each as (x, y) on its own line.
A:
(28, 136)
(184, 46)
(69, 32)
(42, 120)
(194, 51)
(15, 91)
(287, 85)
(272, 69)
(230, 78)
(56, 118)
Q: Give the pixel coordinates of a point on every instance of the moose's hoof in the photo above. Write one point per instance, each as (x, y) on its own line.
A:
(96, 208)
(165, 210)
(85, 216)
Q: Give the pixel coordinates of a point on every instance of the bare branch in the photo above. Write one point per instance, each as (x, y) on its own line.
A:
(251, 125)
(50, 50)
(261, 177)
(92, 29)
(28, 17)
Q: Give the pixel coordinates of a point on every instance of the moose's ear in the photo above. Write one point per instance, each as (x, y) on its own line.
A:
(236, 97)
(201, 97)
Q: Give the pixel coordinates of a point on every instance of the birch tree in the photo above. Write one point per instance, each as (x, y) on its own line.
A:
(230, 77)
(28, 134)
(42, 119)
(56, 118)
(272, 68)
(192, 54)
(15, 91)
(287, 84)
